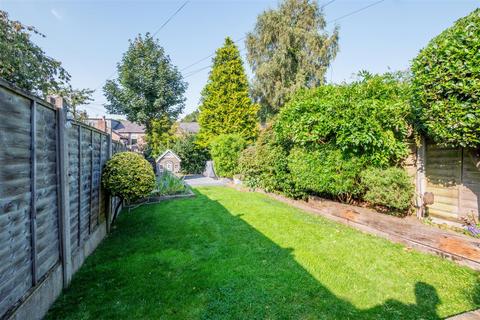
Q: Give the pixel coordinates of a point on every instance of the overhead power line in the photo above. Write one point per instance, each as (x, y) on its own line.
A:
(323, 6)
(171, 17)
(189, 74)
(156, 32)
(327, 4)
(355, 12)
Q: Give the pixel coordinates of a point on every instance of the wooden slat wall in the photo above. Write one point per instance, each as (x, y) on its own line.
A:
(47, 227)
(30, 233)
(15, 198)
(453, 175)
(73, 181)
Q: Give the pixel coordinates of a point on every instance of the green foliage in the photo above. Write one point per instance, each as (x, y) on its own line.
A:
(161, 136)
(368, 118)
(265, 165)
(193, 155)
(148, 85)
(191, 117)
(326, 171)
(391, 187)
(226, 107)
(225, 151)
(76, 98)
(169, 184)
(129, 176)
(27, 66)
(289, 49)
(24, 63)
(446, 81)
(226, 254)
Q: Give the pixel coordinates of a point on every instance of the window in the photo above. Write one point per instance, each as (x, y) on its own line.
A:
(133, 138)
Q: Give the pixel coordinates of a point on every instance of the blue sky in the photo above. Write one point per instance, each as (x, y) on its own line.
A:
(89, 37)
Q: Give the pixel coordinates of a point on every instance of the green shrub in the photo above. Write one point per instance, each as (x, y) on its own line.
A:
(391, 187)
(446, 82)
(225, 150)
(193, 156)
(327, 172)
(129, 176)
(169, 184)
(265, 166)
(368, 118)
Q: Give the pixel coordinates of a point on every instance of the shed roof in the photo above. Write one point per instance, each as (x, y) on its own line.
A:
(167, 152)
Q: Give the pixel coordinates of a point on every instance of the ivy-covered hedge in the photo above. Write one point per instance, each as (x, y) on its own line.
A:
(265, 165)
(225, 150)
(129, 176)
(367, 118)
(446, 82)
(324, 138)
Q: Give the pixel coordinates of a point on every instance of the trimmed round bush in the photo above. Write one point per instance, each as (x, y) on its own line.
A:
(446, 82)
(225, 151)
(391, 188)
(129, 176)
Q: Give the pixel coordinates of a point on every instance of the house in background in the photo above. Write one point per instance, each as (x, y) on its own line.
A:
(188, 128)
(168, 161)
(130, 133)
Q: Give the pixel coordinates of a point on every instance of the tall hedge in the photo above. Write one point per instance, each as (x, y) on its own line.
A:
(226, 150)
(446, 81)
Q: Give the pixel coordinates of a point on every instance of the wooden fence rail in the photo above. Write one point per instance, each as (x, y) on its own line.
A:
(53, 211)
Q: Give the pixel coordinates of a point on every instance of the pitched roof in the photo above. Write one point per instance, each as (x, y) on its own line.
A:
(125, 126)
(167, 152)
(189, 127)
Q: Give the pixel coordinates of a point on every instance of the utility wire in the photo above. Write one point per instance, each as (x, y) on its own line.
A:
(323, 6)
(326, 4)
(156, 32)
(206, 67)
(356, 11)
(171, 17)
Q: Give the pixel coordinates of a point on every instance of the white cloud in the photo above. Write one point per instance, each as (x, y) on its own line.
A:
(56, 14)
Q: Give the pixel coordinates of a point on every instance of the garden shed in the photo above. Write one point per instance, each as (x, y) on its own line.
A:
(168, 160)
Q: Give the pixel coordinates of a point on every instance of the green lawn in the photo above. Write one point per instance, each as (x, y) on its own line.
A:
(232, 255)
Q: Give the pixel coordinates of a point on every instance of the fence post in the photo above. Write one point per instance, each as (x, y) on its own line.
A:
(421, 184)
(108, 211)
(64, 196)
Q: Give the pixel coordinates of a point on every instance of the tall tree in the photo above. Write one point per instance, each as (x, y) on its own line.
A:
(289, 49)
(148, 86)
(225, 103)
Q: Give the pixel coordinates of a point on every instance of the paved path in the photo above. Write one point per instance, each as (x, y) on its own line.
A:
(199, 180)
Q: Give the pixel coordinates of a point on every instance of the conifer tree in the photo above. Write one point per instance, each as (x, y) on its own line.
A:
(226, 106)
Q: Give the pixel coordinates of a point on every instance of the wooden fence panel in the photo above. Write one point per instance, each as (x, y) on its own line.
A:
(47, 223)
(96, 170)
(85, 178)
(102, 193)
(73, 184)
(36, 226)
(15, 198)
(443, 173)
(453, 175)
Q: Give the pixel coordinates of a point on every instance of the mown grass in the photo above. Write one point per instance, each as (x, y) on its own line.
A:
(232, 255)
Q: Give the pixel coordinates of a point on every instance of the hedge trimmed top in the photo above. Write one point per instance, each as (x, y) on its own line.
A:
(446, 81)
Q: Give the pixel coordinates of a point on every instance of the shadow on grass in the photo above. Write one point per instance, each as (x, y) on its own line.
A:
(192, 259)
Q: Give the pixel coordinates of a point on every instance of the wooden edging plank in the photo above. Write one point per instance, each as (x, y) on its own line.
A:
(406, 240)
